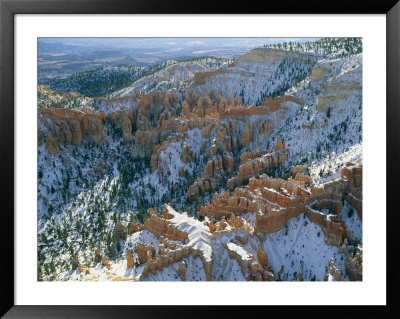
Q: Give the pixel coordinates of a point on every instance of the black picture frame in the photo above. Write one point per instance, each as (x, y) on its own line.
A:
(9, 8)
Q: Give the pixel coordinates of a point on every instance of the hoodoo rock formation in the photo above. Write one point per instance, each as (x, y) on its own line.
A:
(354, 265)
(279, 145)
(275, 201)
(63, 126)
(133, 227)
(255, 167)
(332, 273)
(120, 231)
(121, 120)
(130, 261)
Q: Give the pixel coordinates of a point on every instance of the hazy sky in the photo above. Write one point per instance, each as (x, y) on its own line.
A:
(171, 42)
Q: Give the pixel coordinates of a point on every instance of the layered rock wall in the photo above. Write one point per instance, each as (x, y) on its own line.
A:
(275, 201)
(65, 126)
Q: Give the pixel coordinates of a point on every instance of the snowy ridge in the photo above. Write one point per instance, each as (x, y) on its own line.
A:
(199, 234)
(172, 76)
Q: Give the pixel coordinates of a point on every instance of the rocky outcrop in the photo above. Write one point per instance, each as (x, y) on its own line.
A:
(275, 201)
(257, 166)
(155, 224)
(331, 205)
(214, 172)
(144, 252)
(200, 187)
(182, 271)
(65, 126)
(119, 232)
(176, 234)
(354, 262)
(353, 174)
(133, 227)
(356, 203)
(332, 273)
(279, 145)
(333, 228)
(300, 173)
(298, 169)
(245, 156)
(186, 154)
(130, 261)
(249, 266)
(121, 120)
(248, 199)
(161, 227)
(174, 243)
(234, 225)
(268, 106)
(245, 138)
(262, 257)
(51, 143)
(304, 178)
(159, 262)
(145, 142)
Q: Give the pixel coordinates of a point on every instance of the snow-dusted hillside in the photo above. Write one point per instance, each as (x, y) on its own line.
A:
(172, 75)
(328, 128)
(259, 74)
(299, 248)
(173, 140)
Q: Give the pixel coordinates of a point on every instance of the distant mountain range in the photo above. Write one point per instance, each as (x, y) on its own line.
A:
(60, 57)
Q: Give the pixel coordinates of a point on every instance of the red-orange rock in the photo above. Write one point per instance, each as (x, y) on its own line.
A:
(119, 231)
(354, 266)
(279, 145)
(186, 154)
(133, 227)
(130, 261)
(262, 257)
(182, 271)
(120, 119)
(245, 137)
(70, 127)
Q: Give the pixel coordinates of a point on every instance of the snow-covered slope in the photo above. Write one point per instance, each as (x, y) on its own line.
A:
(299, 247)
(172, 76)
(256, 75)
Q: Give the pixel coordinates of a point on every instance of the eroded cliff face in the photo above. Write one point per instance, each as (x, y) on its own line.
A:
(122, 121)
(152, 125)
(354, 262)
(228, 227)
(275, 201)
(255, 75)
(63, 126)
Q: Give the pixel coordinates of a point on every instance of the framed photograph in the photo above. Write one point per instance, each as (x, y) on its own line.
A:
(157, 154)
